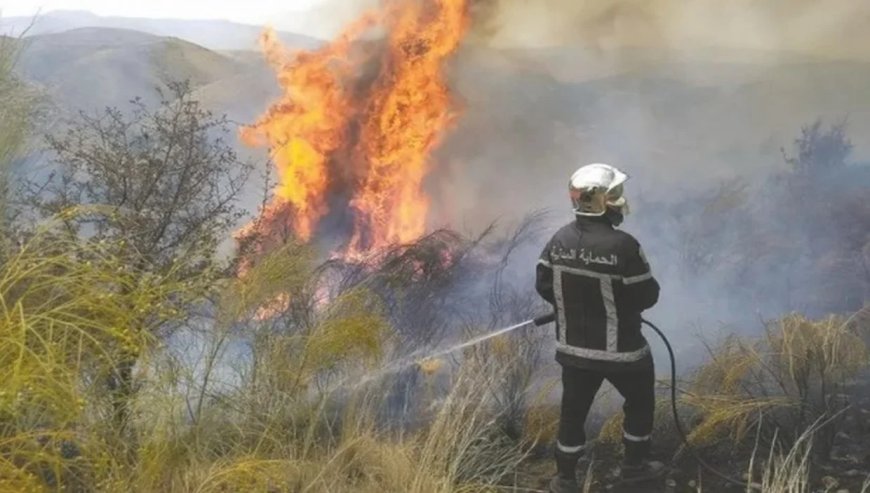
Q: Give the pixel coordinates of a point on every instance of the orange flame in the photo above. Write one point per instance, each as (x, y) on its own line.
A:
(307, 125)
(333, 131)
(404, 120)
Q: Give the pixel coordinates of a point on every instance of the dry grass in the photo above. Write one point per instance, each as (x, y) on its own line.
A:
(277, 424)
(795, 376)
(65, 312)
(788, 472)
(796, 373)
(542, 423)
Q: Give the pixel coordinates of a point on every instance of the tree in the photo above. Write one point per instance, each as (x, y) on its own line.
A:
(818, 150)
(159, 186)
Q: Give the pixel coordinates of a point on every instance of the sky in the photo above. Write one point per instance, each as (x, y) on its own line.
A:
(247, 11)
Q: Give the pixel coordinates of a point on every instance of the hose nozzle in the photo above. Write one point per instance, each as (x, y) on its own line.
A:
(544, 319)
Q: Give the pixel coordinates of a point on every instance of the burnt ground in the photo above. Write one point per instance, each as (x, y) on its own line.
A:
(845, 470)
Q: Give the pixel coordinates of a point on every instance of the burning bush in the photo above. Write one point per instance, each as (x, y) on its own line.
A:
(353, 132)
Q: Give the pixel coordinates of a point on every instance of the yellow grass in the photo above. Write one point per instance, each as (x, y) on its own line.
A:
(67, 317)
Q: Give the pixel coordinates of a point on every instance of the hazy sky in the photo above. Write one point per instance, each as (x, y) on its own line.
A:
(835, 28)
(246, 11)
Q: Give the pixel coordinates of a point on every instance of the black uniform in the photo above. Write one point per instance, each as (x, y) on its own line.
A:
(599, 282)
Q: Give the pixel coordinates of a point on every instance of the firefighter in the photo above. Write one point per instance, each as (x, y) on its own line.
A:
(599, 282)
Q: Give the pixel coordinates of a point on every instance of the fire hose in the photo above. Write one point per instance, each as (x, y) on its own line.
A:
(545, 319)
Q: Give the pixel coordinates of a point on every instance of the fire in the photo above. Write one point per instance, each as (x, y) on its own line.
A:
(358, 145)
(306, 126)
(404, 121)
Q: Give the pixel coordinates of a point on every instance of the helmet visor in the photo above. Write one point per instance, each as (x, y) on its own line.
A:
(617, 200)
(615, 193)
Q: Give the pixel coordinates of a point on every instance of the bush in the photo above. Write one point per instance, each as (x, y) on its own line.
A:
(819, 151)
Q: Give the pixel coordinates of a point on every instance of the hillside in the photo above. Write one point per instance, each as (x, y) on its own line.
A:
(90, 67)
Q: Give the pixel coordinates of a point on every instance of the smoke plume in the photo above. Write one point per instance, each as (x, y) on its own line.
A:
(818, 28)
(835, 28)
(689, 97)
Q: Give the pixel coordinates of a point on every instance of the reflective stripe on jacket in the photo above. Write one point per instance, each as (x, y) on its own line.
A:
(599, 282)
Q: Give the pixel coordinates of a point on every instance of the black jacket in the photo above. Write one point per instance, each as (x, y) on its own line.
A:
(599, 282)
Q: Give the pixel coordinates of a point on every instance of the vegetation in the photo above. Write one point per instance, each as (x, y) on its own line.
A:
(157, 187)
(276, 430)
(797, 374)
(794, 241)
(135, 358)
(119, 317)
(18, 108)
(818, 150)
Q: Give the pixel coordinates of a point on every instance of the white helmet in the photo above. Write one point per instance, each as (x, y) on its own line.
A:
(595, 187)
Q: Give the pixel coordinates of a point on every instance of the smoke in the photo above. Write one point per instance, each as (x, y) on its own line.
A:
(560, 22)
(806, 26)
(830, 29)
(689, 97)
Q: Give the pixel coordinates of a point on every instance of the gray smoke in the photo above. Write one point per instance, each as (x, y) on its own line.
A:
(694, 99)
(819, 28)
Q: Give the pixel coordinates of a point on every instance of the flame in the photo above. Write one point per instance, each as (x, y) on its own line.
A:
(307, 125)
(403, 122)
(366, 141)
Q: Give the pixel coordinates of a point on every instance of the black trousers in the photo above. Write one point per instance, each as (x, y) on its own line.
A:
(579, 387)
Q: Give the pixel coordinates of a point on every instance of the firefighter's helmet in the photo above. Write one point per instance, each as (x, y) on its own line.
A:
(595, 187)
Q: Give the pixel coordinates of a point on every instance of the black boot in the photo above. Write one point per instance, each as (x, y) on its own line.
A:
(636, 465)
(565, 480)
(635, 452)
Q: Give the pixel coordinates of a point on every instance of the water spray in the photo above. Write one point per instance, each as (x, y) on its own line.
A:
(542, 320)
(430, 363)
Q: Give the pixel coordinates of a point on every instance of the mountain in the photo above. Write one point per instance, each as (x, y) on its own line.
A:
(212, 34)
(92, 67)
